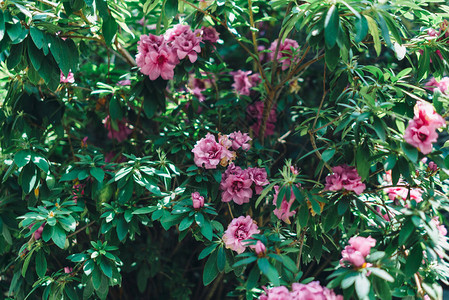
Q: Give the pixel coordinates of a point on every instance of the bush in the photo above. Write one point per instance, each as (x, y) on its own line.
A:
(214, 149)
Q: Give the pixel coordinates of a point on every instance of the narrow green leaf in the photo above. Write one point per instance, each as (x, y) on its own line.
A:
(361, 26)
(268, 270)
(331, 26)
(41, 264)
(374, 31)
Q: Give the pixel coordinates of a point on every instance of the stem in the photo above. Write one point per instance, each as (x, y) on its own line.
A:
(298, 262)
(230, 210)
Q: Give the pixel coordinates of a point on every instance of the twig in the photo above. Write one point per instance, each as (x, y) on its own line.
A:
(230, 210)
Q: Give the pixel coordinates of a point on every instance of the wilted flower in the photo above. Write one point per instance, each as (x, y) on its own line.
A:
(283, 212)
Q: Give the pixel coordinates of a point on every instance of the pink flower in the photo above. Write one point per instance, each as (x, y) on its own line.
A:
(283, 213)
(177, 30)
(197, 86)
(240, 229)
(242, 84)
(78, 190)
(68, 270)
(344, 177)
(442, 85)
(285, 52)
(120, 133)
(259, 177)
(312, 291)
(198, 200)
(259, 248)
(352, 256)
(160, 63)
(255, 113)
(441, 228)
(276, 293)
(361, 244)
(69, 79)
(187, 44)
(425, 112)
(420, 136)
(38, 233)
(124, 82)
(146, 44)
(432, 167)
(210, 34)
(237, 188)
(240, 140)
(401, 193)
(208, 153)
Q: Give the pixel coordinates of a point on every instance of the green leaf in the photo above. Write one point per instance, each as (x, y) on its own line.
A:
(410, 151)
(221, 259)
(384, 29)
(381, 274)
(363, 164)
(361, 26)
(15, 55)
(2, 25)
(268, 270)
(185, 223)
(362, 286)
(379, 128)
(105, 266)
(72, 175)
(97, 173)
(244, 261)
(206, 230)
(41, 264)
(38, 37)
(96, 277)
(122, 229)
(109, 29)
(374, 31)
(332, 57)
(327, 154)
(253, 278)
(126, 192)
(47, 233)
(29, 178)
(171, 8)
(390, 162)
(382, 289)
(210, 269)
(414, 261)
(331, 26)
(208, 250)
(59, 236)
(303, 215)
(26, 263)
(36, 56)
(22, 158)
(17, 33)
(41, 162)
(144, 210)
(115, 111)
(349, 280)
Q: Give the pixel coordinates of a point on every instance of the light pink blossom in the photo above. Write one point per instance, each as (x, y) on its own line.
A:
(178, 30)
(68, 270)
(344, 177)
(352, 256)
(276, 293)
(425, 112)
(124, 82)
(187, 44)
(285, 55)
(283, 213)
(441, 228)
(420, 135)
(259, 248)
(69, 79)
(240, 140)
(362, 244)
(442, 85)
(208, 153)
(312, 291)
(197, 200)
(240, 229)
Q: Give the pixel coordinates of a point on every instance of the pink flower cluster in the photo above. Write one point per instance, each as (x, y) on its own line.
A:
(255, 113)
(240, 229)
(120, 133)
(69, 79)
(236, 183)
(421, 130)
(208, 153)
(159, 55)
(197, 200)
(283, 213)
(344, 177)
(441, 228)
(401, 193)
(358, 249)
(442, 85)
(311, 291)
(285, 55)
(244, 81)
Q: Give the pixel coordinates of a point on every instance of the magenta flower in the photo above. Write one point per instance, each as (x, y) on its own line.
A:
(240, 229)
(276, 293)
(240, 140)
(38, 233)
(242, 84)
(442, 85)
(259, 248)
(312, 291)
(210, 34)
(259, 177)
(420, 136)
(237, 188)
(432, 167)
(353, 257)
(361, 244)
(69, 79)
(68, 270)
(160, 63)
(197, 200)
(187, 44)
(123, 130)
(208, 153)
(283, 213)
(344, 177)
(285, 52)
(78, 190)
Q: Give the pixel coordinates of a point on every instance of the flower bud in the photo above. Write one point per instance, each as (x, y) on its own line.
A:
(198, 200)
